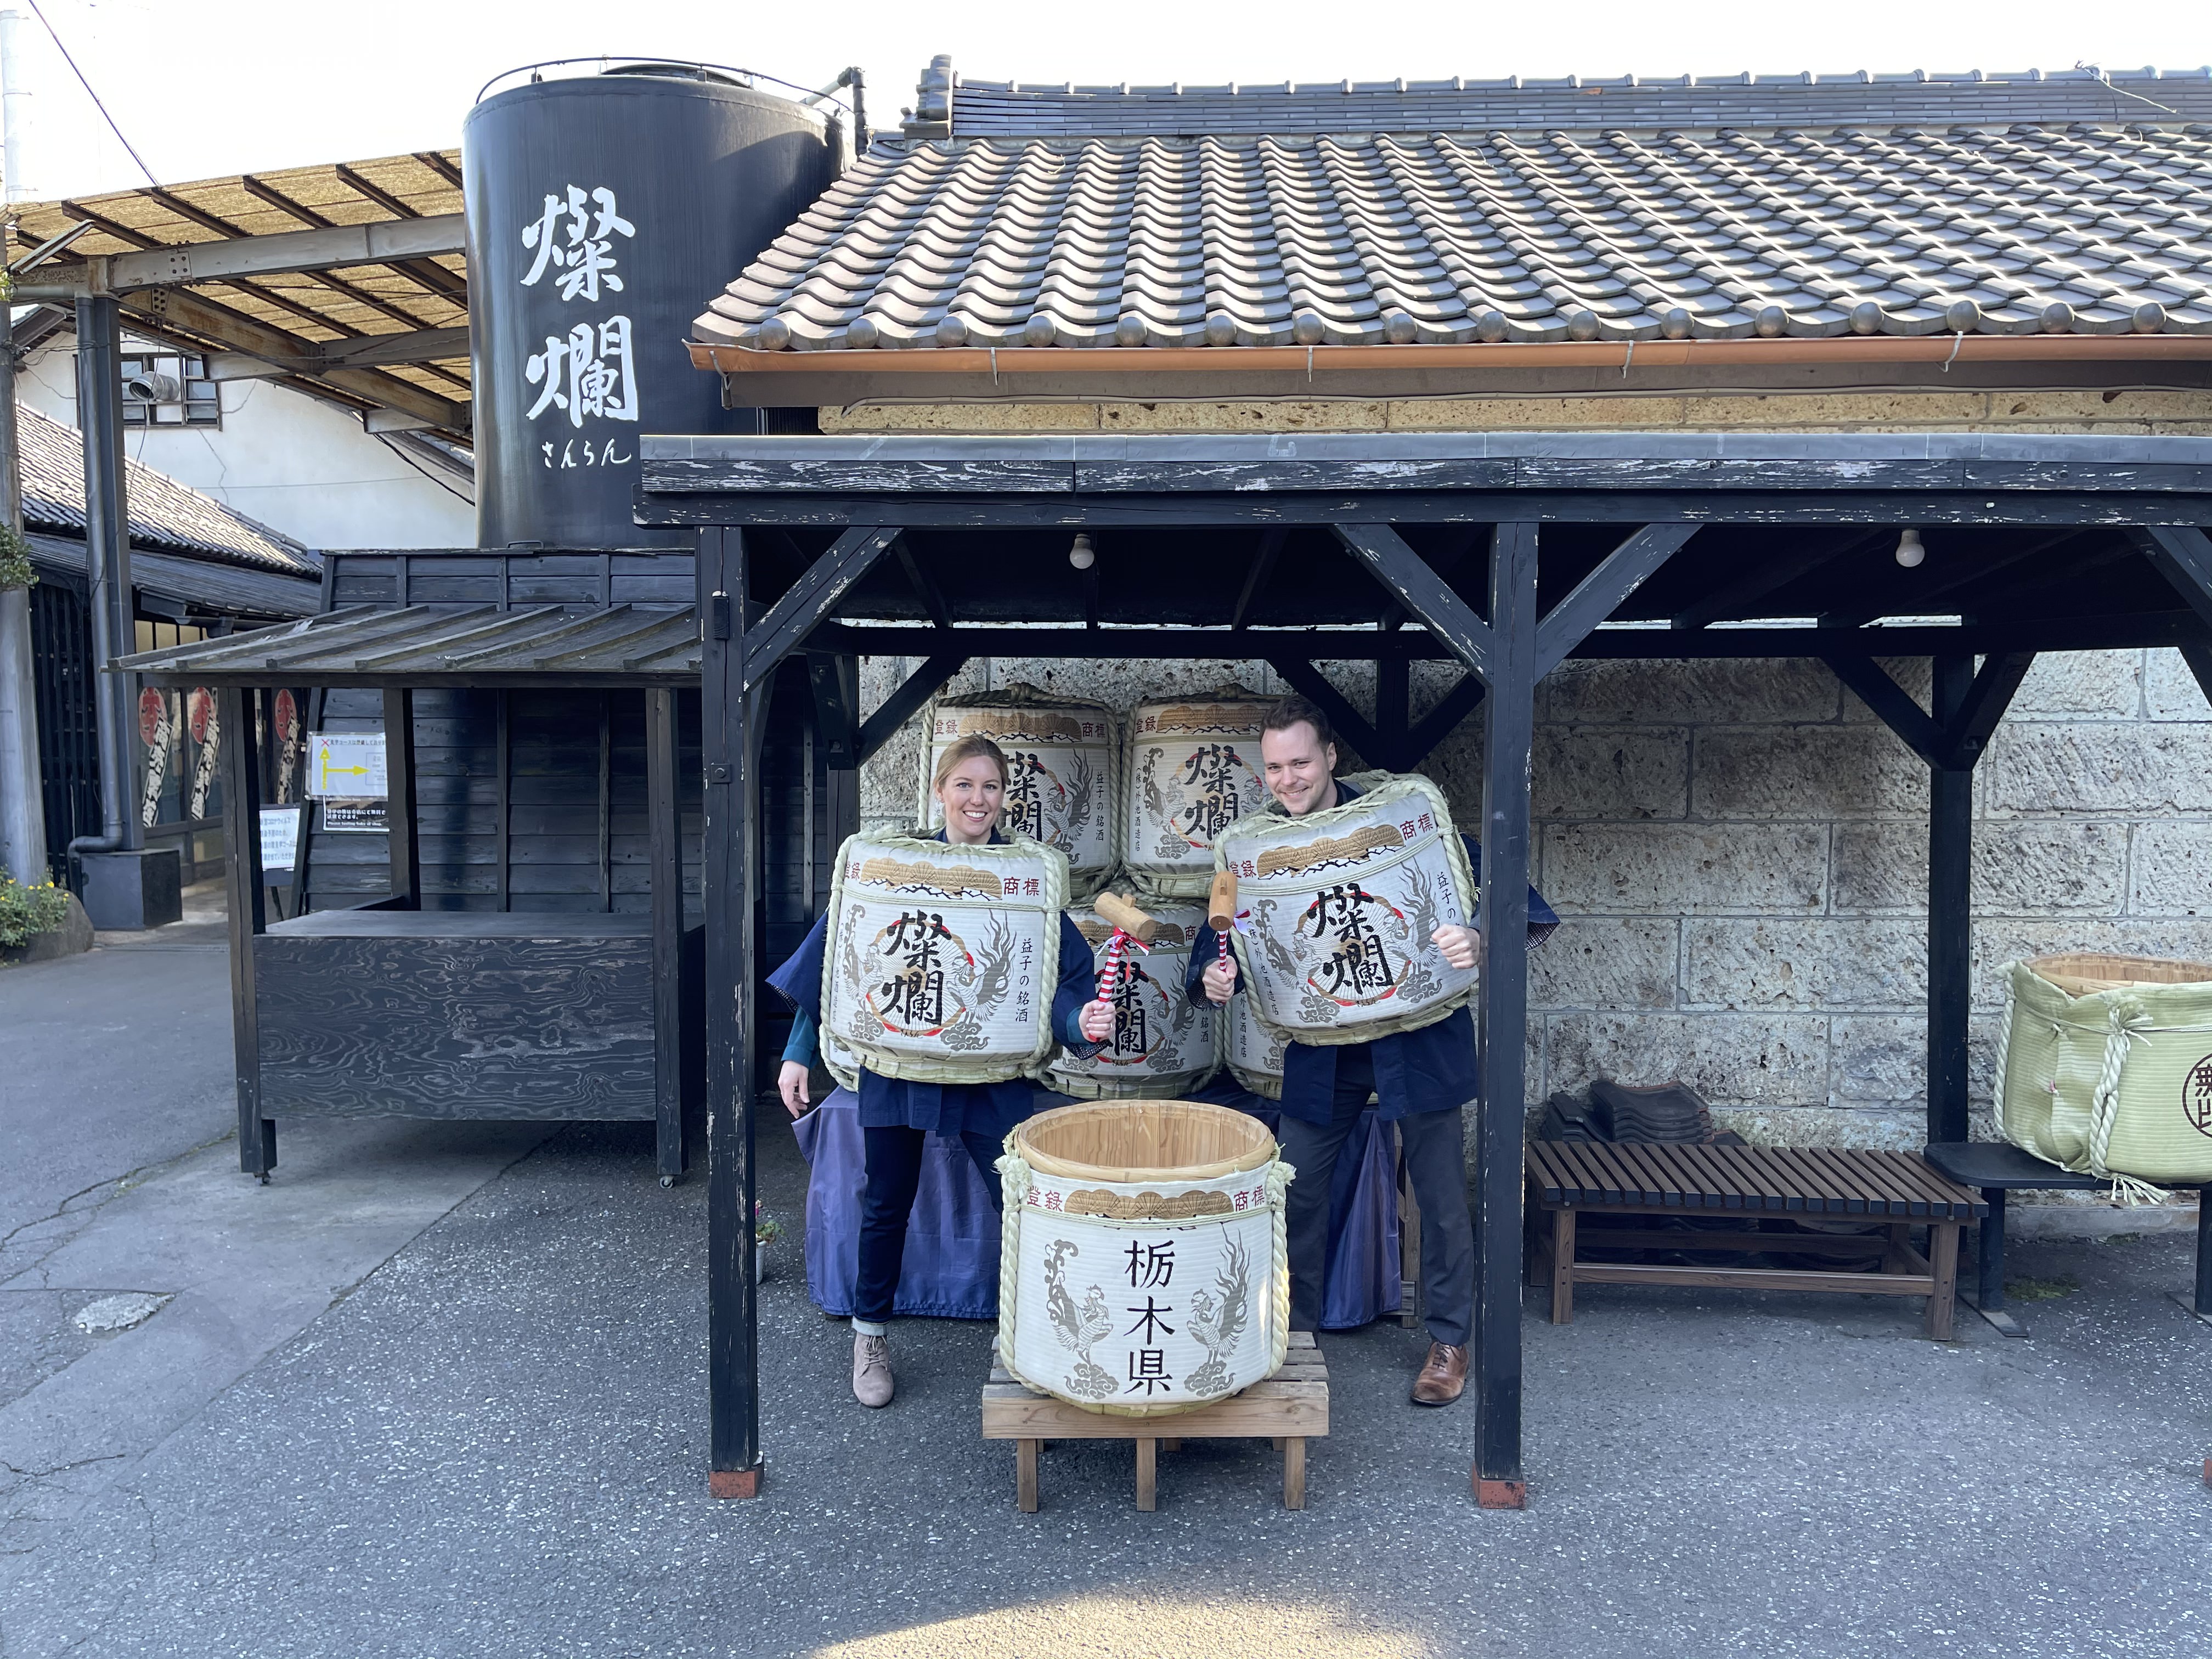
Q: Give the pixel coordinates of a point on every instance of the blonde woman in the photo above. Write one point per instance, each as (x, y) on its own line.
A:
(970, 784)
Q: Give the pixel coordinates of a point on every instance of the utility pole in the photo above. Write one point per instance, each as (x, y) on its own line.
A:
(23, 799)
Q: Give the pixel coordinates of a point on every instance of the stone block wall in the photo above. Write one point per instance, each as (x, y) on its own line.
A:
(1740, 850)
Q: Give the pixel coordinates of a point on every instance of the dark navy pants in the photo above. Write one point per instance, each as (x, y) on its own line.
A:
(1435, 1145)
(894, 1165)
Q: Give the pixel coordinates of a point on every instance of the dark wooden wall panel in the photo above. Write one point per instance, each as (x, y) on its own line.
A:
(540, 1028)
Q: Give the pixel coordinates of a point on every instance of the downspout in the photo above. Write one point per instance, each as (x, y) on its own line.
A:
(107, 548)
(23, 799)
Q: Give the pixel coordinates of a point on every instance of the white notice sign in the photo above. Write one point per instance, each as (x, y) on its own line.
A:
(280, 838)
(348, 765)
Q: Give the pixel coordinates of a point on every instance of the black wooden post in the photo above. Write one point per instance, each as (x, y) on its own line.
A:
(1508, 731)
(1394, 712)
(249, 920)
(1950, 908)
(666, 875)
(733, 1327)
(399, 819)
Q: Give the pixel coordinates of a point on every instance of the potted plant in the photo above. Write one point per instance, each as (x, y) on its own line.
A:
(32, 921)
(766, 1230)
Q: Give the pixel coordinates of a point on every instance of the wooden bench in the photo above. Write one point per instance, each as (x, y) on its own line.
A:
(1995, 1168)
(1900, 1190)
(1289, 1409)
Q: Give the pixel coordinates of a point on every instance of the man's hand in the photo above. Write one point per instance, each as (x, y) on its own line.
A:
(1221, 981)
(1458, 944)
(1096, 1022)
(791, 1084)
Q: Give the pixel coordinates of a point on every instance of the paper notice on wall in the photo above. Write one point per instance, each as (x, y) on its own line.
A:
(359, 817)
(280, 839)
(347, 766)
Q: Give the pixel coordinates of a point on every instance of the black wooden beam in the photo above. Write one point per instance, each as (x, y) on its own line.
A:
(1502, 1001)
(1925, 590)
(1950, 909)
(1394, 711)
(666, 851)
(1912, 723)
(1774, 571)
(917, 688)
(1440, 722)
(812, 597)
(1459, 541)
(832, 678)
(2183, 555)
(1350, 725)
(1404, 573)
(732, 1310)
(932, 598)
(402, 837)
(1966, 730)
(256, 1135)
(1605, 590)
(2198, 655)
(923, 508)
(1263, 565)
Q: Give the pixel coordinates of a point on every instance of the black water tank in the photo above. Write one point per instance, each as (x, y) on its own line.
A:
(604, 211)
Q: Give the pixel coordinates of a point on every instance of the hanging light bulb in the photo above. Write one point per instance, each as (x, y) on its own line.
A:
(1910, 552)
(1082, 554)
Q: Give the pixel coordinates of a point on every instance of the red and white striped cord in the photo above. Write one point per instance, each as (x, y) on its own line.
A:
(1109, 975)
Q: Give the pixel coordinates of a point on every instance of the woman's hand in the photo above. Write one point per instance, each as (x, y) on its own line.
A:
(1096, 1022)
(791, 1084)
(1458, 944)
(1220, 982)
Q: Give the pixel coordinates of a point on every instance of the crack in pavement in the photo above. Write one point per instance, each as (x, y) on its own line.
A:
(79, 1214)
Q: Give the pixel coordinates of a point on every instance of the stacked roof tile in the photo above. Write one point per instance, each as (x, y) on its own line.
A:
(1381, 237)
(163, 513)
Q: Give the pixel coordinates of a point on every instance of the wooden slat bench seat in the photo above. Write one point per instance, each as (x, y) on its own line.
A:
(1289, 1409)
(1898, 1190)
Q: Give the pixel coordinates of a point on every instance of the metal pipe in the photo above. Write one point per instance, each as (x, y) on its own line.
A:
(15, 108)
(23, 799)
(107, 547)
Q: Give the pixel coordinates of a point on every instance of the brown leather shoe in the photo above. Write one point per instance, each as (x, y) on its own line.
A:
(1443, 1375)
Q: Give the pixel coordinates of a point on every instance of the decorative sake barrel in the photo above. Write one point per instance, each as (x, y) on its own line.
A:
(1193, 770)
(1164, 1042)
(1062, 757)
(2105, 1067)
(1253, 1053)
(1143, 1269)
(1342, 904)
(943, 959)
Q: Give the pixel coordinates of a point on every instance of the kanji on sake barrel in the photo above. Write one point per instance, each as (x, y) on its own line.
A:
(1062, 763)
(1253, 1055)
(1193, 770)
(1339, 909)
(1143, 1269)
(1163, 1042)
(943, 959)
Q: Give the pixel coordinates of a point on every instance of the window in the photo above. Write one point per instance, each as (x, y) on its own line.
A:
(169, 388)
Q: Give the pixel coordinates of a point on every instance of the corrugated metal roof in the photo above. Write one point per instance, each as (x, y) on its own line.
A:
(441, 644)
(202, 584)
(163, 513)
(1439, 238)
(319, 306)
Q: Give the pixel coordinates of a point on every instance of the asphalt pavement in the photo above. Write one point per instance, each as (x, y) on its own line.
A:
(457, 1406)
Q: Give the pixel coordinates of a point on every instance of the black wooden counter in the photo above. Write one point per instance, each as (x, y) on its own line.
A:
(472, 1014)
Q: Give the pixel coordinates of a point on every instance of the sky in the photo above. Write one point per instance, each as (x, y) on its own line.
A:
(205, 87)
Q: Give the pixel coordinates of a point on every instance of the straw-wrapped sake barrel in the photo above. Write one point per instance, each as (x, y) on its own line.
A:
(1253, 1053)
(1164, 1042)
(1193, 770)
(1062, 759)
(943, 960)
(1343, 905)
(1143, 1269)
(2105, 1066)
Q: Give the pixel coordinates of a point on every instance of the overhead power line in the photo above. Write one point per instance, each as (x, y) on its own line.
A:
(95, 96)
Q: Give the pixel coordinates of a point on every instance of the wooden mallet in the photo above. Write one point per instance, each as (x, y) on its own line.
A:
(1221, 912)
(1129, 923)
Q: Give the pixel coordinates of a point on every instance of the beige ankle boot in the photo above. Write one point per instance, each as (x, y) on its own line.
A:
(871, 1370)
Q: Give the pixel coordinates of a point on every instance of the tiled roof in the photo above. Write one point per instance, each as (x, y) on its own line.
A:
(164, 513)
(1367, 239)
(998, 109)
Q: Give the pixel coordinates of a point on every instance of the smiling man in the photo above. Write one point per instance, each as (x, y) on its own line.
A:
(1421, 1080)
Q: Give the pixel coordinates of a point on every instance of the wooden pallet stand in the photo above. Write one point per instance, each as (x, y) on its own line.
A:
(1289, 1408)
